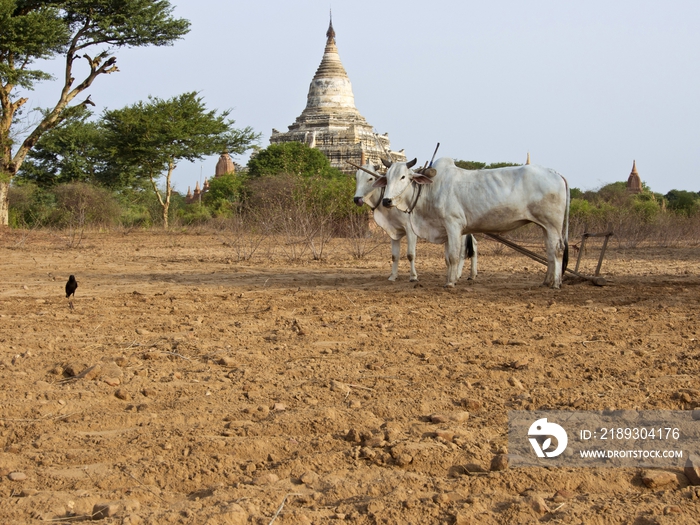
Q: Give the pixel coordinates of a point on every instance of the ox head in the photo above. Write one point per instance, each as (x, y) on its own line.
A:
(397, 181)
(365, 178)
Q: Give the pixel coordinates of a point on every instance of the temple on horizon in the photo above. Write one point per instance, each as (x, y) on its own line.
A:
(634, 181)
(224, 166)
(331, 122)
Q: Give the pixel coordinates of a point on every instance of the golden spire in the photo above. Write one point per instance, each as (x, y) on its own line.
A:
(330, 33)
(528, 158)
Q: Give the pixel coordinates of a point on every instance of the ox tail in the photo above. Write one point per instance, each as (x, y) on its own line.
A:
(565, 232)
(470, 246)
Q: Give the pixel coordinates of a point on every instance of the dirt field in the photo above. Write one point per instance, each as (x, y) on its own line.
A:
(188, 387)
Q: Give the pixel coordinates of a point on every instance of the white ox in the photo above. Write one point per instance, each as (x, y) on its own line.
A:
(445, 202)
(397, 225)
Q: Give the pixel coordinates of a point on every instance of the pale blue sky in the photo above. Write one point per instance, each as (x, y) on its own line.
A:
(585, 87)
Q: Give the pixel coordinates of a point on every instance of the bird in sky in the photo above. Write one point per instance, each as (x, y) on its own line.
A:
(71, 286)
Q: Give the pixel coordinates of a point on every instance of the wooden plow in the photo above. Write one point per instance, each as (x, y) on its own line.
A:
(595, 279)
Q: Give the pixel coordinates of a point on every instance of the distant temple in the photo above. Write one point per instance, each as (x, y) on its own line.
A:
(634, 182)
(331, 122)
(224, 166)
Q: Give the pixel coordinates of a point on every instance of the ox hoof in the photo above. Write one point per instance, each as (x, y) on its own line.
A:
(392, 278)
(413, 280)
(450, 285)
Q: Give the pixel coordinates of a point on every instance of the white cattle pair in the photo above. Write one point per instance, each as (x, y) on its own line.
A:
(397, 225)
(444, 202)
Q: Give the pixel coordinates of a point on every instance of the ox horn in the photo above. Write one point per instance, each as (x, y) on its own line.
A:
(387, 163)
(411, 163)
(363, 169)
(434, 153)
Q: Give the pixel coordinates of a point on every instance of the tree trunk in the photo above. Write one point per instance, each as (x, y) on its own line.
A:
(166, 205)
(168, 193)
(4, 203)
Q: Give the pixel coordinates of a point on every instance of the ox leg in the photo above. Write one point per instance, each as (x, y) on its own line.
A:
(555, 251)
(453, 252)
(462, 256)
(395, 255)
(473, 258)
(411, 240)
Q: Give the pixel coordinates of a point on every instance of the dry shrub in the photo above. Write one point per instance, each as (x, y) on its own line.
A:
(304, 230)
(30, 206)
(265, 191)
(360, 238)
(243, 233)
(630, 230)
(677, 230)
(80, 204)
(292, 211)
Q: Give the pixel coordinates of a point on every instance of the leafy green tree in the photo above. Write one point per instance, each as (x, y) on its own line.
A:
(331, 195)
(30, 206)
(303, 174)
(152, 137)
(470, 164)
(90, 30)
(291, 158)
(226, 193)
(70, 152)
(495, 165)
(683, 202)
(646, 207)
(581, 212)
(75, 150)
(475, 165)
(614, 193)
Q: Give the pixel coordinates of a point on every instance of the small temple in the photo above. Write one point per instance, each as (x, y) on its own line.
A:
(224, 166)
(634, 182)
(331, 122)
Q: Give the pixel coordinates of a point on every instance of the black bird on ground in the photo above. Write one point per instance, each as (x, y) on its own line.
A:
(71, 286)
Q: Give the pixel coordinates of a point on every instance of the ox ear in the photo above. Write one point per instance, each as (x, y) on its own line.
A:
(430, 172)
(422, 179)
(412, 163)
(386, 163)
(380, 182)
